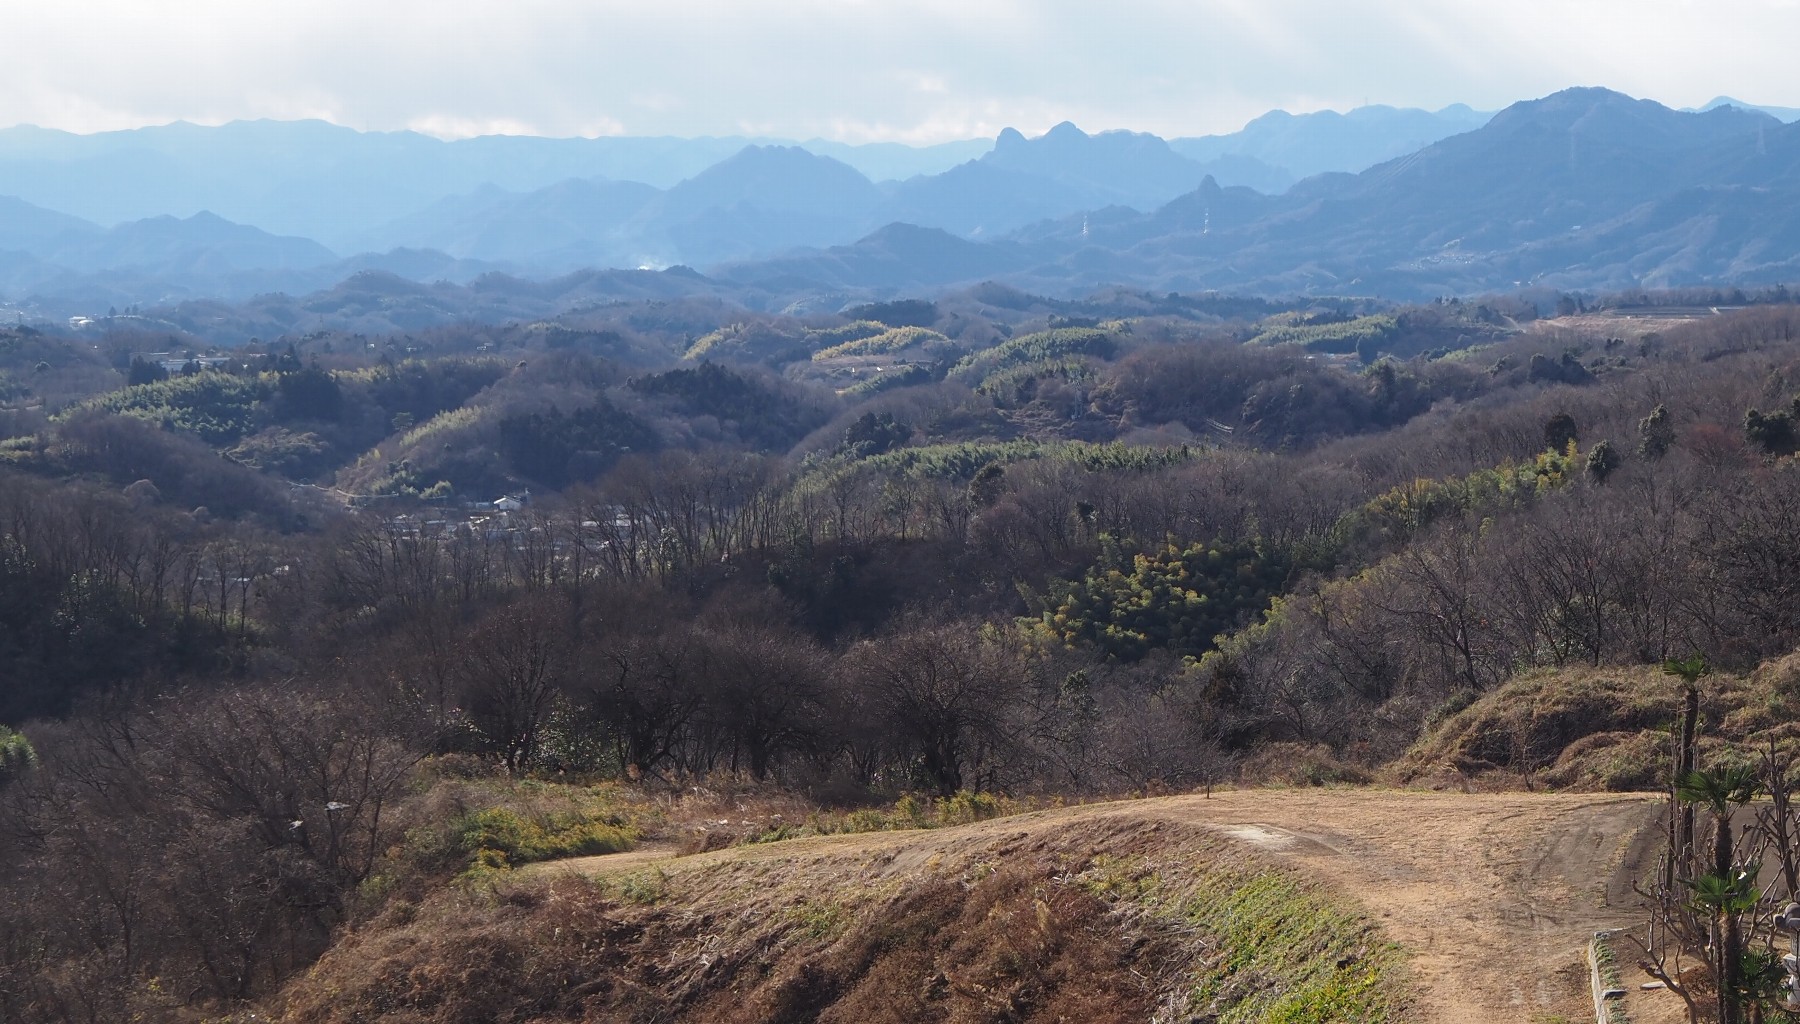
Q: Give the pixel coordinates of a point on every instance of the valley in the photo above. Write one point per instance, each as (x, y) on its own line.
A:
(1326, 571)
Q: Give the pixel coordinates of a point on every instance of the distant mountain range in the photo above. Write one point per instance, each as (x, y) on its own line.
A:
(1583, 189)
(1299, 146)
(1787, 115)
(550, 206)
(322, 181)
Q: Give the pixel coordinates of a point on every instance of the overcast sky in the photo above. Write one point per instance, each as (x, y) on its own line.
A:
(860, 70)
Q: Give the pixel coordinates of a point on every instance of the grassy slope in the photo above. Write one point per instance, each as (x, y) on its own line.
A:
(1600, 728)
(1086, 914)
(1114, 919)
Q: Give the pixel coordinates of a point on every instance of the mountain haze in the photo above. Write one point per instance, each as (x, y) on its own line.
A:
(1122, 168)
(324, 181)
(576, 222)
(1586, 188)
(24, 226)
(1787, 115)
(1302, 145)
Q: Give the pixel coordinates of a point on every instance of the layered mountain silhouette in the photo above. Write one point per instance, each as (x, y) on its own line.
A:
(1586, 188)
(573, 223)
(330, 183)
(333, 184)
(1583, 189)
(1786, 115)
(1299, 146)
(28, 228)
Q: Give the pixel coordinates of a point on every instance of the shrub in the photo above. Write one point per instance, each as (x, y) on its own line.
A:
(1300, 764)
(1573, 727)
(909, 812)
(1170, 597)
(497, 838)
(16, 755)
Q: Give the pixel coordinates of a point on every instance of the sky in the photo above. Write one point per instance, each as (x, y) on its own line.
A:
(859, 70)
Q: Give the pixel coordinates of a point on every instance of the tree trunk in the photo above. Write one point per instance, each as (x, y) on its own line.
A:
(1690, 718)
(1732, 969)
(1731, 943)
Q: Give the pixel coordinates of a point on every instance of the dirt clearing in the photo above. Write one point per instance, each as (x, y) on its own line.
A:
(1493, 896)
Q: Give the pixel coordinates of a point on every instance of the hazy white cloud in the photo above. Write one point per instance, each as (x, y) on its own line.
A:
(860, 70)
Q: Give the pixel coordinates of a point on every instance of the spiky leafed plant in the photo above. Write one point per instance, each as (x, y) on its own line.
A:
(1729, 890)
(1735, 893)
(1720, 791)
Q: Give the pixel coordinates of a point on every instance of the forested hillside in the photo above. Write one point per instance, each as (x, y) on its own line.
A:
(293, 633)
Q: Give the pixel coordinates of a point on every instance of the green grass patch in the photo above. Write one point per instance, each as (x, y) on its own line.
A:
(1608, 962)
(644, 888)
(1281, 949)
(474, 828)
(500, 838)
(909, 812)
(819, 919)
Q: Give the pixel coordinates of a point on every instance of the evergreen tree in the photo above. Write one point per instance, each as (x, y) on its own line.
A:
(1656, 435)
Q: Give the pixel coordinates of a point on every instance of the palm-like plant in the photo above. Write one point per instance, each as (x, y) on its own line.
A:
(1728, 891)
(1735, 893)
(1719, 791)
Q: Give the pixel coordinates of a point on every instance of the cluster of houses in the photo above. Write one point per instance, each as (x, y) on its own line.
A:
(490, 520)
(496, 520)
(173, 364)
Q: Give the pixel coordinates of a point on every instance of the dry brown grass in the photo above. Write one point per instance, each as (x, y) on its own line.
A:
(1014, 946)
(980, 934)
(1596, 728)
(507, 955)
(1564, 728)
(1300, 764)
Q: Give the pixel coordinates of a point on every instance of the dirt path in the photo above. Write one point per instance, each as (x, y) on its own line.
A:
(1494, 896)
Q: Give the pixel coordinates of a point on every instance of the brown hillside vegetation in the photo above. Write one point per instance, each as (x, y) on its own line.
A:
(1303, 905)
(1598, 729)
(310, 656)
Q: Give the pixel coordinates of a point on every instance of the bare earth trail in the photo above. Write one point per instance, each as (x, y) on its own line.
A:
(1494, 896)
